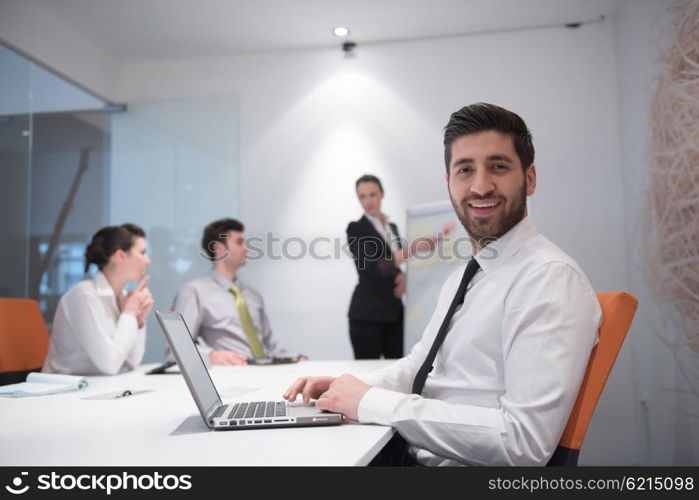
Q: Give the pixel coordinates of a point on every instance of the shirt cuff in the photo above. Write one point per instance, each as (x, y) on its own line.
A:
(129, 320)
(373, 379)
(379, 405)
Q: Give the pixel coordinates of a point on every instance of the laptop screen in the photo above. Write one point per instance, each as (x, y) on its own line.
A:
(189, 360)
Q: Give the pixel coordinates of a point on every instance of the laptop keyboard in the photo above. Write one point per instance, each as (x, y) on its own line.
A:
(219, 411)
(259, 409)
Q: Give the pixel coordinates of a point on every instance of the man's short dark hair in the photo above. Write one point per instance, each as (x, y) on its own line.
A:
(481, 117)
(368, 178)
(218, 231)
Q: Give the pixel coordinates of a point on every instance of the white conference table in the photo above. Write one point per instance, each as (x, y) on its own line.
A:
(162, 427)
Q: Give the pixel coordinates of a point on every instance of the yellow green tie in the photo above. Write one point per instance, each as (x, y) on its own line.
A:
(246, 321)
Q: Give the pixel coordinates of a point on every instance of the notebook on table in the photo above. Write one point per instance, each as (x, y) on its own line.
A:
(240, 415)
(39, 384)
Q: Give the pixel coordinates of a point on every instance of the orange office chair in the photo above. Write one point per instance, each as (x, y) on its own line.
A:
(24, 339)
(618, 309)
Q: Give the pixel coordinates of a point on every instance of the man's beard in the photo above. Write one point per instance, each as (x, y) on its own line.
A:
(487, 229)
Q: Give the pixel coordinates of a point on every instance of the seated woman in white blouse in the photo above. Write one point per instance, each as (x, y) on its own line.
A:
(98, 326)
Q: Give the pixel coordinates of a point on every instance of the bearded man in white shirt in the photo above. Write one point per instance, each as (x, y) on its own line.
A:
(506, 376)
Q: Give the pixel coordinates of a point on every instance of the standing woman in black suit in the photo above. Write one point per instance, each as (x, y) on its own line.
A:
(376, 310)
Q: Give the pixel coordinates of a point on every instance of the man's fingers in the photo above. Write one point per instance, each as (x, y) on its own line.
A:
(240, 359)
(234, 358)
(293, 391)
(308, 387)
(323, 401)
(326, 402)
(227, 358)
(307, 391)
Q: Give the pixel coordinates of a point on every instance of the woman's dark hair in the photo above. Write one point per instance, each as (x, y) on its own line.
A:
(108, 240)
(368, 178)
(218, 231)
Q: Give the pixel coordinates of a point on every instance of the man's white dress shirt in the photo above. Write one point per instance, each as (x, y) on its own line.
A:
(507, 375)
(90, 336)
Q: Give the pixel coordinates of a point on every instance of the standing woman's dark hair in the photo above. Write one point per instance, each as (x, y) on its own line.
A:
(369, 178)
(108, 240)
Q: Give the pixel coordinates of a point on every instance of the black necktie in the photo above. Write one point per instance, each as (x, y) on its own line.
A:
(426, 367)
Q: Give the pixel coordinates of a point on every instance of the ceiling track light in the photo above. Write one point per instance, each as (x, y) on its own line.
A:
(348, 48)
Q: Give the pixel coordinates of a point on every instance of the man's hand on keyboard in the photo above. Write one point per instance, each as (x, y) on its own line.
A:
(308, 387)
(343, 396)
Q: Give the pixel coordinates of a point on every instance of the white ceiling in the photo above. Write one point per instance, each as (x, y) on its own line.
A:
(133, 30)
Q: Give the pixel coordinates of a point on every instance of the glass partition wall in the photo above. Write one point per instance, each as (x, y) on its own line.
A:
(15, 173)
(71, 163)
(54, 140)
(69, 173)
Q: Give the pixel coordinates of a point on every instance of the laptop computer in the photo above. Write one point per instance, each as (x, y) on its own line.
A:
(233, 416)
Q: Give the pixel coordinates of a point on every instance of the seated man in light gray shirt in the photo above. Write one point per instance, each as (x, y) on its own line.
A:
(225, 316)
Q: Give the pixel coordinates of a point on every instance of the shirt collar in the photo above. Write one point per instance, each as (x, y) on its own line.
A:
(375, 220)
(495, 254)
(103, 287)
(222, 280)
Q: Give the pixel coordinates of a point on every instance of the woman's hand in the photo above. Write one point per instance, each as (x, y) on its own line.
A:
(138, 302)
(146, 306)
(425, 244)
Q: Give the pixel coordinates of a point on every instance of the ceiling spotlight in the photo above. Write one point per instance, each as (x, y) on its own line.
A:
(341, 31)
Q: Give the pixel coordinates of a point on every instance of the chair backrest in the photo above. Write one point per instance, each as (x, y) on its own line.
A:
(24, 339)
(618, 309)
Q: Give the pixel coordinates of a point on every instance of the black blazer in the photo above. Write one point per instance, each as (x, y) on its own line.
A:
(373, 298)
